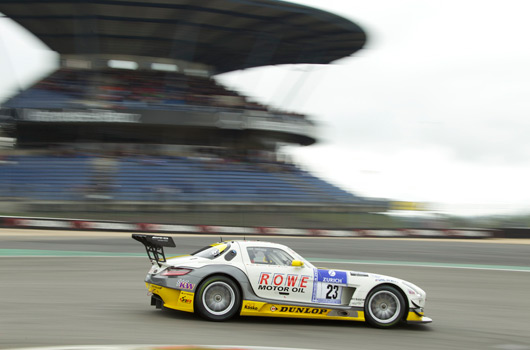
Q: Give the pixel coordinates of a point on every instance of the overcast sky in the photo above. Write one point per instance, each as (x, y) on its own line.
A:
(434, 109)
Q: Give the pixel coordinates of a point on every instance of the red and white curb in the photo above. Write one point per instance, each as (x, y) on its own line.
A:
(87, 225)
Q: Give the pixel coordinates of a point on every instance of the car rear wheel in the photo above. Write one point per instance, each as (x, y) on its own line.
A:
(384, 307)
(218, 299)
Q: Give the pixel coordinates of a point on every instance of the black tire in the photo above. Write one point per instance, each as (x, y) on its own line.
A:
(384, 307)
(217, 299)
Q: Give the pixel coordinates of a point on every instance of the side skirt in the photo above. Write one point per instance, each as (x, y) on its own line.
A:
(257, 308)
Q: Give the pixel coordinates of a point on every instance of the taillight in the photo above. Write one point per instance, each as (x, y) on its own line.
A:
(175, 272)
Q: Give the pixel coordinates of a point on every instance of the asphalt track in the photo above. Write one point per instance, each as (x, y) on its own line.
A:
(61, 288)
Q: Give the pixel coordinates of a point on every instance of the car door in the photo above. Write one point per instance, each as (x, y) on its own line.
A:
(272, 276)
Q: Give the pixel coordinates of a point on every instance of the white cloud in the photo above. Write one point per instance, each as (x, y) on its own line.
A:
(434, 109)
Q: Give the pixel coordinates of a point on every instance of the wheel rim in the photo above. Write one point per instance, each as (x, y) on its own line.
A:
(384, 306)
(218, 298)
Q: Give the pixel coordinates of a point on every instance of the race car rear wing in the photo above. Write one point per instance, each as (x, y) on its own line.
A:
(154, 246)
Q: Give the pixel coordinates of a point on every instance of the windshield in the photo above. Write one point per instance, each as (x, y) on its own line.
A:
(212, 251)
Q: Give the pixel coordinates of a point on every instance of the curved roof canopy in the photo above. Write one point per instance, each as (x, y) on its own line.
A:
(225, 34)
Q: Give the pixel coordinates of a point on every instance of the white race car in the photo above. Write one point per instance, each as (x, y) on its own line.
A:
(255, 278)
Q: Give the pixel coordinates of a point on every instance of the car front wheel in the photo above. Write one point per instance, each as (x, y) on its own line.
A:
(384, 307)
(218, 299)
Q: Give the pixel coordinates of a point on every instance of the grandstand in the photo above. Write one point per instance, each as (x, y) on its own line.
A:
(133, 119)
(164, 179)
(146, 89)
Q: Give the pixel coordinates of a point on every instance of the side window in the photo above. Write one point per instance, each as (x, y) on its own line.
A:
(269, 256)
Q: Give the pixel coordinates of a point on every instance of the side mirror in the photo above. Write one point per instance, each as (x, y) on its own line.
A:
(297, 263)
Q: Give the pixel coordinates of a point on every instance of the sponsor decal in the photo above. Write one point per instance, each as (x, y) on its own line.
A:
(282, 282)
(161, 239)
(384, 280)
(186, 298)
(185, 284)
(327, 288)
(303, 310)
(358, 274)
(252, 307)
(274, 308)
(357, 302)
(332, 276)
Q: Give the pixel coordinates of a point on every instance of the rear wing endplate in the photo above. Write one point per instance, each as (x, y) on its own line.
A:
(154, 246)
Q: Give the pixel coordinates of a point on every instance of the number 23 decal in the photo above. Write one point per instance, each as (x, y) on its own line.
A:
(333, 292)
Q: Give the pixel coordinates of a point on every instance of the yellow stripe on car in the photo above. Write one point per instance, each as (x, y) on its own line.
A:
(178, 256)
(256, 308)
(220, 246)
